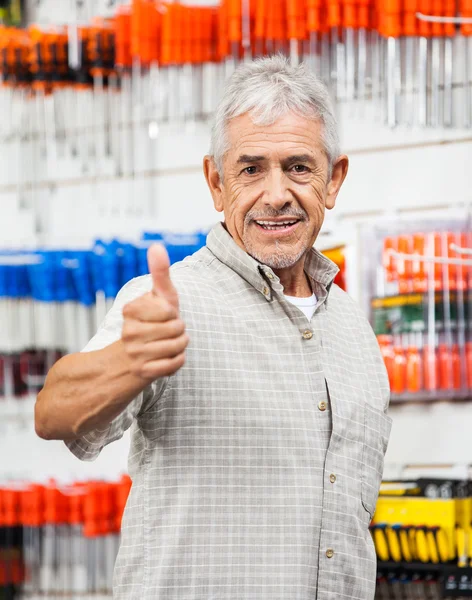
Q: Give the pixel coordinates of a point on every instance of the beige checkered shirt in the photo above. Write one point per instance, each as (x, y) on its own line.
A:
(256, 467)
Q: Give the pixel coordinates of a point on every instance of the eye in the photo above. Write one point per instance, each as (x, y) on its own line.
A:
(300, 169)
(250, 170)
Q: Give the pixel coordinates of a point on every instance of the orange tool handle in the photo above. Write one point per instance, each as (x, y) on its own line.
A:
(404, 265)
(314, 15)
(468, 361)
(189, 31)
(207, 34)
(333, 13)
(386, 350)
(136, 27)
(390, 18)
(410, 20)
(452, 269)
(414, 370)
(76, 507)
(456, 367)
(465, 10)
(214, 33)
(445, 367)
(363, 15)
(418, 267)
(461, 241)
(424, 27)
(32, 506)
(223, 40)
(349, 13)
(430, 366)
(167, 34)
(276, 21)
(449, 10)
(296, 11)
(438, 267)
(389, 261)
(449, 367)
(123, 37)
(437, 9)
(11, 507)
(234, 21)
(467, 243)
(399, 370)
(260, 19)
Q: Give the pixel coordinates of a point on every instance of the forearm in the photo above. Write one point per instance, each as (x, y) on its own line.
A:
(86, 391)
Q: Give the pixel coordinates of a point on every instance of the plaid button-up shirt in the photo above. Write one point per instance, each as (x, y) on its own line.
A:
(256, 467)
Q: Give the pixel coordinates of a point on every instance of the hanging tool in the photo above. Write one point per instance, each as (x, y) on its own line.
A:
(296, 29)
(437, 49)
(363, 23)
(449, 30)
(424, 32)
(403, 533)
(76, 497)
(414, 363)
(260, 28)
(349, 28)
(410, 29)
(390, 29)
(380, 541)
(235, 22)
(465, 11)
(394, 543)
(276, 41)
(337, 50)
(313, 23)
(376, 58)
(247, 16)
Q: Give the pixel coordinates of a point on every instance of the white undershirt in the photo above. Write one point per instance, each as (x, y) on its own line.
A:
(306, 305)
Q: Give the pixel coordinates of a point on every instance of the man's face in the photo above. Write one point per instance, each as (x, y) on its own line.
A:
(275, 187)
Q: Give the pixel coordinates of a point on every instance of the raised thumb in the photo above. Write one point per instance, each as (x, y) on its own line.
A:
(159, 265)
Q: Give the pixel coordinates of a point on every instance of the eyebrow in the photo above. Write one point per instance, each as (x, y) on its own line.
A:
(295, 158)
(249, 158)
(300, 158)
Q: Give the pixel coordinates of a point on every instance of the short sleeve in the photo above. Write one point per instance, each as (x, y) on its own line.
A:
(89, 446)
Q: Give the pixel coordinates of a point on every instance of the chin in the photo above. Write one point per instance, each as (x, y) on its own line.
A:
(277, 261)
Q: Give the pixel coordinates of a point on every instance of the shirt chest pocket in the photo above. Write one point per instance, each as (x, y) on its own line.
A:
(377, 427)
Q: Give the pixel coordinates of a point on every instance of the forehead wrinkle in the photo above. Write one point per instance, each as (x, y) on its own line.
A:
(246, 145)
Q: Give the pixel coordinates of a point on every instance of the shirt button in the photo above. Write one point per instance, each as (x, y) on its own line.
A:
(270, 276)
(332, 478)
(322, 406)
(265, 291)
(307, 334)
(330, 553)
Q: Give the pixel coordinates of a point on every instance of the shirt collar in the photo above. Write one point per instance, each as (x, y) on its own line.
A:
(319, 269)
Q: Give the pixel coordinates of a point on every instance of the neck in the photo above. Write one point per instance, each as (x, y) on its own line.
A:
(295, 280)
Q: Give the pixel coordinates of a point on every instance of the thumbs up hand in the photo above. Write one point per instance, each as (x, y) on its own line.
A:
(153, 334)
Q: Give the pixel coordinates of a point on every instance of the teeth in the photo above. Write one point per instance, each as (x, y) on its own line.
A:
(271, 226)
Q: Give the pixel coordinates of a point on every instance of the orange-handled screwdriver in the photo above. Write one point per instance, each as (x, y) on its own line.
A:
(465, 10)
(424, 32)
(414, 364)
(297, 31)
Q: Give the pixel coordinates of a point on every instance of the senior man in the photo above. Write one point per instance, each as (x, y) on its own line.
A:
(254, 387)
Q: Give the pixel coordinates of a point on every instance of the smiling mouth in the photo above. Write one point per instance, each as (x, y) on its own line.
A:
(269, 225)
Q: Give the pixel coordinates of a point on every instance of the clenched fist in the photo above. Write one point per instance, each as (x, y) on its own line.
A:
(153, 334)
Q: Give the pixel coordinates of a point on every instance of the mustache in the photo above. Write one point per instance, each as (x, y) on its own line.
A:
(272, 213)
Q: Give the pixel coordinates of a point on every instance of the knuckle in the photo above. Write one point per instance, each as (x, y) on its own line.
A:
(133, 351)
(127, 332)
(178, 327)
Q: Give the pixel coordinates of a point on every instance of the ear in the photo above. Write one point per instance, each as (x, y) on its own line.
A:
(338, 176)
(214, 182)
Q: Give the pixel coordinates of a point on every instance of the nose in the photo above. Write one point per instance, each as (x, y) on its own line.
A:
(277, 194)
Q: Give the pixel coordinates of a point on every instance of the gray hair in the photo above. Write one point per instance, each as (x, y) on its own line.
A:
(268, 88)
